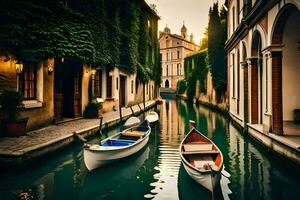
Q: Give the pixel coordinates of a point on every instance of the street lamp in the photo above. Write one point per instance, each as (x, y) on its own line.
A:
(19, 67)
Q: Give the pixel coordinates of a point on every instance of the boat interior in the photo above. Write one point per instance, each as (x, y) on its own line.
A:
(128, 136)
(201, 153)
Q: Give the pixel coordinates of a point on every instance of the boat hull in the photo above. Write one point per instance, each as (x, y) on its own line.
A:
(94, 158)
(152, 117)
(205, 179)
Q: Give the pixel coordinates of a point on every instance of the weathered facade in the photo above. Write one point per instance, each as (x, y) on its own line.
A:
(173, 49)
(263, 63)
(57, 89)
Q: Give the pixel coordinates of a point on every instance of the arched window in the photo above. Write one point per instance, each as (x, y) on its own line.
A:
(167, 70)
(167, 84)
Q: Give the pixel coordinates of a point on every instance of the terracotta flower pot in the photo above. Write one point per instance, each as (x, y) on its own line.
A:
(15, 128)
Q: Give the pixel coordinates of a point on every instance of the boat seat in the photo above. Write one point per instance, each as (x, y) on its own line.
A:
(133, 133)
(201, 162)
(197, 147)
(199, 152)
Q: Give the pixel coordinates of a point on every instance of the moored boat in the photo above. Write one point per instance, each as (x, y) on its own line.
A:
(201, 158)
(132, 121)
(117, 146)
(152, 117)
(159, 100)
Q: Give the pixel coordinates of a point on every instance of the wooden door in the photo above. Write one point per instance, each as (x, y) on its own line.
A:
(123, 91)
(58, 92)
(77, 92)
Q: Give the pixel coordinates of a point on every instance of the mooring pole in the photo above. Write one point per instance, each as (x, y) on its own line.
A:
(100, 124)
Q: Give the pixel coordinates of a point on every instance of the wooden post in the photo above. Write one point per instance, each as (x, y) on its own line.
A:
(120, 94)
(192, 124)
(100, 124)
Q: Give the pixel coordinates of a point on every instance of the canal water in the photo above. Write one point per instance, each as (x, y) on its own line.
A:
(251, 172)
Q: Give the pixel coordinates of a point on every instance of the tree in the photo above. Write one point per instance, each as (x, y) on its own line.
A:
(216, 50)
(204, 40)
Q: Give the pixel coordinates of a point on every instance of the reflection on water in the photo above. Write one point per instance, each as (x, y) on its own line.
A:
(156, 172)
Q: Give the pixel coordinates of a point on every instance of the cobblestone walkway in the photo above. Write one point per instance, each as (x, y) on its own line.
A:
(49, 135)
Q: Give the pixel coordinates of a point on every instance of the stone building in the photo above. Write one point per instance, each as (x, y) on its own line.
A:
(56, 89)
(263, 53)
(173, 49)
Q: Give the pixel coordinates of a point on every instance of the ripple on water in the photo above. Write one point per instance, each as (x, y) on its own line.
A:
(167, 177)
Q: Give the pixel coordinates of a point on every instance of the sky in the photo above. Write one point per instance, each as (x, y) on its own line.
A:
(194, 13)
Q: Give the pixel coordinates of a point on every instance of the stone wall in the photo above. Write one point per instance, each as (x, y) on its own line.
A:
(210, 97)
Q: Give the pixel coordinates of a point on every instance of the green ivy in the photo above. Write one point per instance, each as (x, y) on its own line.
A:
(97, 32)
(181, 86)
(196, 68)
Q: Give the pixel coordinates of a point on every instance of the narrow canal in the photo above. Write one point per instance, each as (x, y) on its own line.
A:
(156, 172)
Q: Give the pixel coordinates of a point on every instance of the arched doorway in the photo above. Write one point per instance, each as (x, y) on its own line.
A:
(256, 94)
(285, 67)
(245, 89)
(167, 84)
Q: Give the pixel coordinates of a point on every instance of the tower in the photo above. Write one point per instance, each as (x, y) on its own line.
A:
(183, 31)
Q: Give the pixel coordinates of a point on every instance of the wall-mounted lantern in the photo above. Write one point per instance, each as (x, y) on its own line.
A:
(93, 72)
(50, 65)
(19, 67)
(110, 73)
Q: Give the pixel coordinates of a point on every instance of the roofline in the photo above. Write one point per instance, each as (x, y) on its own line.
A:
(150, 9)
(180, 38)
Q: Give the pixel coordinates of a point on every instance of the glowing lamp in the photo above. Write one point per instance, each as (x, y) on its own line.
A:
(19, 67)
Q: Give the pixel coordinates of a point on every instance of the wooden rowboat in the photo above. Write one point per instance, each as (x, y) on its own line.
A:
(132, 121)
(117, 146)
(152, 117)
(201, 158)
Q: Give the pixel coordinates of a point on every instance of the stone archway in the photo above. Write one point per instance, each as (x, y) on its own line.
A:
(244, 66)
(285, 66)
(256, 79)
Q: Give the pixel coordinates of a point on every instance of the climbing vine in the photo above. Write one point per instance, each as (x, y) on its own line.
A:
(196, 68)
(97, 32)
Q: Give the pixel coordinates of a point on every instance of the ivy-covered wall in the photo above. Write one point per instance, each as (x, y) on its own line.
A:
(96, 32)
(196, 68)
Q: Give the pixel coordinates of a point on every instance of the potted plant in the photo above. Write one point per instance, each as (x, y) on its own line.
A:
(92, 110)
(11, 104)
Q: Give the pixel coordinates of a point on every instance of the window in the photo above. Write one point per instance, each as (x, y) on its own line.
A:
(238, 82)
(178, 69)
(117, 83)
(136, 86)
(147, 88)
(167, 70)
(167, 56)
(238, 11)
(178, 54)
(233, 77)
(108, 85)
(98, 84)
(233, 19)
(267, 83)
(131, 86)
(27, 81)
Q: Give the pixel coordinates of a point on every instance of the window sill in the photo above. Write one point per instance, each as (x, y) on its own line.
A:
(29, 104)
(110, 99)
